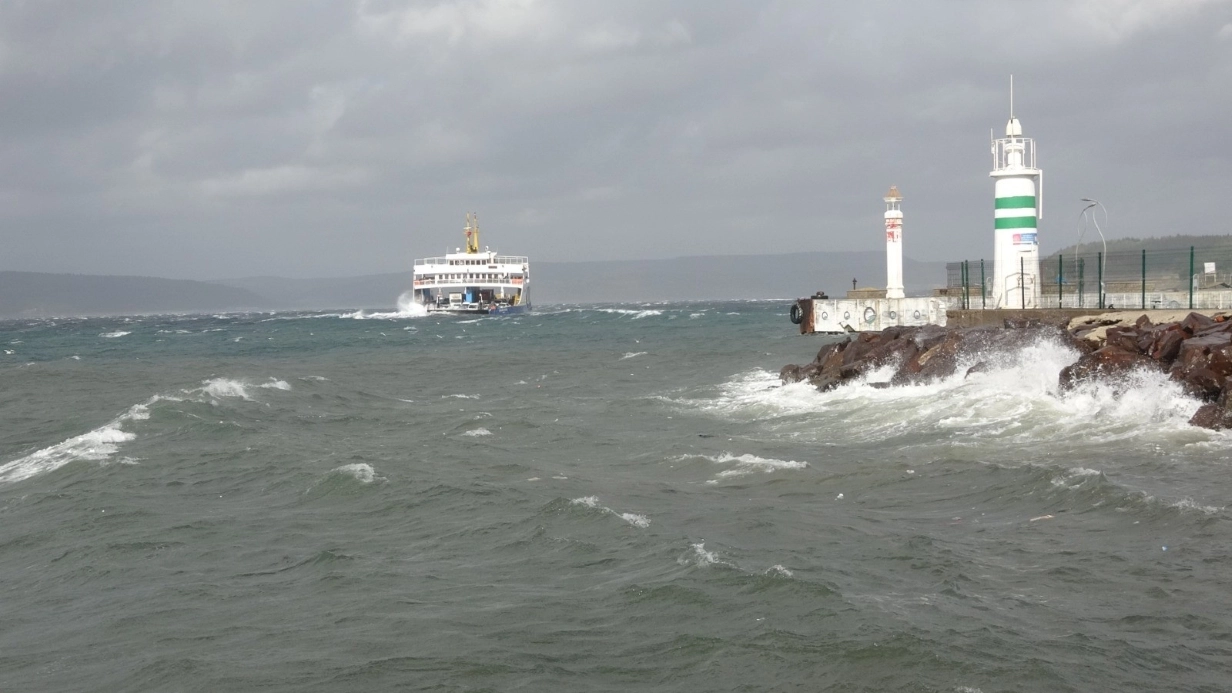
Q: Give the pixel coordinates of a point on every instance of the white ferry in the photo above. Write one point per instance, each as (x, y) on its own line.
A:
(473, 282)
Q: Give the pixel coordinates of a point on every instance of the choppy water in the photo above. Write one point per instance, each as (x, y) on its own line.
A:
(588, 499)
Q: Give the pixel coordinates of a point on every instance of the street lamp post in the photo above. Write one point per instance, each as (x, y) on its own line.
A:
(1095, 220)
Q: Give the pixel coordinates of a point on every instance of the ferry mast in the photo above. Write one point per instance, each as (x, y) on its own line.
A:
(1015, 281)
(894, 243)
(472, 233)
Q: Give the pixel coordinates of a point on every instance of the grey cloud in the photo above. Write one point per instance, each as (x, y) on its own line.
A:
(328, 138)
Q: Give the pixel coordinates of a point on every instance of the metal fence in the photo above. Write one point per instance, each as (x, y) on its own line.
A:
(1190, 277)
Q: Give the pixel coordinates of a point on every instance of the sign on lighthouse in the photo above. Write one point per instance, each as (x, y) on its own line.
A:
(1018, 193)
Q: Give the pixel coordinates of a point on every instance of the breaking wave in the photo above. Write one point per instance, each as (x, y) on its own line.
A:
(361, 472)
(221, 388)
(1016, 398)
(97, 445)
(743, 465)
(407, 308)
(639, 521)
(635, 314)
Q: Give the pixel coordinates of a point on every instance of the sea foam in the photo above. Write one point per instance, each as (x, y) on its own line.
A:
(639, 521)
(634, 314)
(742, 465)
(97, 445)
(221, 388)
(1016, 399)
(407, 308)
(361, 472)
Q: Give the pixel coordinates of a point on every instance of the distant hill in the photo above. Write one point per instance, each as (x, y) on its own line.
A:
(368, 291)
(676, 279)
(724, 277)
(1166, 256)
(35, 294)
(1178, 244)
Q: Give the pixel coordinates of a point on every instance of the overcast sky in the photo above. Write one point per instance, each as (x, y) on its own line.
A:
(203, 139)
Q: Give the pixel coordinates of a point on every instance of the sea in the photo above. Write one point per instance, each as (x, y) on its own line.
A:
(617, 497)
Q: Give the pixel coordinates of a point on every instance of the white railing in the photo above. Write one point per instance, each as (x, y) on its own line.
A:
(433, 281)
(518, 260)
(1002, 150)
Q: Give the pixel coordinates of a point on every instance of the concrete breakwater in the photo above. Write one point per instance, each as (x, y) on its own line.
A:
(1193, 349)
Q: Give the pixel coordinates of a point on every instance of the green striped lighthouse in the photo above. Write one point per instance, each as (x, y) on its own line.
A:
(1016, 213)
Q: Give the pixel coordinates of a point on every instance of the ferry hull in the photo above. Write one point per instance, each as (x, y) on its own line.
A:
(484, 310)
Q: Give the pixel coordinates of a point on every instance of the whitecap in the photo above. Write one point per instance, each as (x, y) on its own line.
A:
(94, 446)
(1190, 504)
(632, 354)
(1074, 478)
(749, 464)
(275, 384)
(636, 314)
(224, 387)
(475, 433)
(699, 556)
(639, 521)
(779, 570)
(114, 335)
(746, 464)
(361, 472)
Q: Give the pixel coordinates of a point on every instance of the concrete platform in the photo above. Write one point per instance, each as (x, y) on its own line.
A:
(838, 315)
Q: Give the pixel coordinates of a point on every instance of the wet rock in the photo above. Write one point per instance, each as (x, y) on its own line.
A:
(1195, 321)
(1195, 354)
(895, 350)
(1212, 416)
(1217, 327)
(790, 374)
(1203, 383)
(829, 350)
(859, 347)
(1165, 345)
(1122, 336)
(1107, 362)
(928, 337)
(977, 368)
